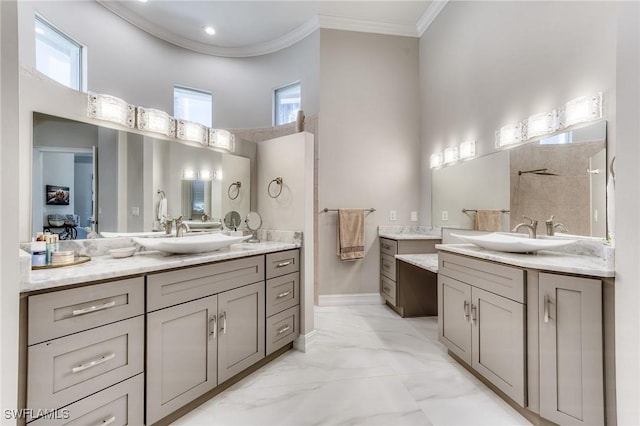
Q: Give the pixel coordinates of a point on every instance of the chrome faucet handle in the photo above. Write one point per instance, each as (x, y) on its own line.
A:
(550, 220)
(531, 221)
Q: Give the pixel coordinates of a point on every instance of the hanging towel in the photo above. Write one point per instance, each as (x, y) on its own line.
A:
(488, 220)
(350, 236)
(162, 210)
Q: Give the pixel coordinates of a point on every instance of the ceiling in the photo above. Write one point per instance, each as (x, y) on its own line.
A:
(251, 28)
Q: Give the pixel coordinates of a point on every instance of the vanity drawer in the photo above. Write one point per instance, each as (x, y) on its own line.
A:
(283, 263)
(282, 328)
(388, 266)
(67, 369)
(121, 404)
(174, 287)
(388, 289)
(283, 293)
(65, 312)
(388, 246)
(503, 280)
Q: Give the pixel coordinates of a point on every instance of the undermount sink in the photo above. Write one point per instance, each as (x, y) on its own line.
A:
(512, 244)
(190, 244)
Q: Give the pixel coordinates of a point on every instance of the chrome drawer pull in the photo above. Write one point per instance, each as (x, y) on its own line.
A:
(94, 308)
(283, 264)
(386, 289)
(108, 421)
(386, 266)
(546, 308)
(93, 363)
(281, 295)
(283, 329)
(386, 246)
(473, 314)
(466, 310)
(213, 330)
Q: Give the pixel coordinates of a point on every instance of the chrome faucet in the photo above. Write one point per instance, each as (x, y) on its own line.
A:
(181, 227)
(552, 227)
(531, 227)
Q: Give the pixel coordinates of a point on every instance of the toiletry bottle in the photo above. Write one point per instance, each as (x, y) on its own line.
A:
(38, 253)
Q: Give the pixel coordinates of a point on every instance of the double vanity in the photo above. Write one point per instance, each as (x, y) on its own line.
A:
(142, 340)
(537, 328)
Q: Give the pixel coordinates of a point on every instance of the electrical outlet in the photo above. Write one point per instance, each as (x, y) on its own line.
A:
(414, 216)
(445, 215)
(392, 215)
(135, 211)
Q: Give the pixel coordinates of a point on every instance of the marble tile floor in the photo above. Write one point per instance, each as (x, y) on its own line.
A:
(367, 366)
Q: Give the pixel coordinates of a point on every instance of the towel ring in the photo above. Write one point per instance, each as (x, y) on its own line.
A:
(237, 185)
(277, 181)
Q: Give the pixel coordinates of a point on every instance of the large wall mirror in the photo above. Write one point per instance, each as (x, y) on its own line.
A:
(563, 175)
(113, 181)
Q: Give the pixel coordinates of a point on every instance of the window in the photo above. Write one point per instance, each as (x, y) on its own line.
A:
(58, 56)
(192, 105)
(286, 104)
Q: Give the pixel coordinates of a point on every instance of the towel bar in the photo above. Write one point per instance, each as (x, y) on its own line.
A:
(475, 210)
(371, 210)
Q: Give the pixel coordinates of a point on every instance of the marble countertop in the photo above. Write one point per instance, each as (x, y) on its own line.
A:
(407, 236)
(107, 267)
(542, 260)
(428, 261)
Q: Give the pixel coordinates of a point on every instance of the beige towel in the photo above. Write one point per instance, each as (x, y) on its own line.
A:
(488, 220)
(350, 234)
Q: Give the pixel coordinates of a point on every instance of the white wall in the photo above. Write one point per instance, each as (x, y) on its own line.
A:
(9, 154)
(235, 169)
(369, 135)
(486, 64)
(129, 63)
(291, 158)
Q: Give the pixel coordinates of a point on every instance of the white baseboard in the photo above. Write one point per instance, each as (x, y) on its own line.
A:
(350, 299)
(304, 341)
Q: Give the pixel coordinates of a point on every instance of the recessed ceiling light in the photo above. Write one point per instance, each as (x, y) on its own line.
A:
(142, 1)
(209, 30)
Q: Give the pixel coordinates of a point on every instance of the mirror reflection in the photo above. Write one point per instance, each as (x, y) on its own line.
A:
(563, 176)
(115, 180)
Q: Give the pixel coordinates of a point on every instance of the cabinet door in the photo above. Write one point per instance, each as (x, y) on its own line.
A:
(499, 342)
(181, 355)
(241, 329)
(454, 328)
(571, 359)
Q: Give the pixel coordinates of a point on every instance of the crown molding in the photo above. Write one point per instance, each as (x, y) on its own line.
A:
(430, 15)
(292, 37)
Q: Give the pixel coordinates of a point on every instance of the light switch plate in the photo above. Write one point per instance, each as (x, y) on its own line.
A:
(392, 215)
(445, 215)
(135, 211)
(414, 216)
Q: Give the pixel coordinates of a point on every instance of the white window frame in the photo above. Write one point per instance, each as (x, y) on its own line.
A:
(194, 90)
(274, 107)
(82, 62)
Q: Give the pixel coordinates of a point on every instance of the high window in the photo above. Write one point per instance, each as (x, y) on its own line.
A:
(286, 104)
(57, 55)
(193, 105)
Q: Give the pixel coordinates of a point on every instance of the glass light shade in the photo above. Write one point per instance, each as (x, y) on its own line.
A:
(188, 174)
(220, 138)
(581, 109)
(110, 108)
(467, 149)
(541, 124)
(509, 134)
(205, 175)
(190, 131)
(437, 159)
(217, 175)
(156, 121)
(451, 155)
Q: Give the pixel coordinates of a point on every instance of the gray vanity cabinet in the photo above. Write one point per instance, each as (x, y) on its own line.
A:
(182, 355)
(571, 350)
(241, 329)
(482, 321)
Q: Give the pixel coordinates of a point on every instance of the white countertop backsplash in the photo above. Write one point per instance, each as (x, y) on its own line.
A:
(102, 266)
(411, 232)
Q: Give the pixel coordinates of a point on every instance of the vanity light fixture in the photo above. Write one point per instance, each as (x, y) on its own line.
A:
(581, 109)
(451, 155)
(467, 149)
(220, 138)
(110, 108)
(205, 175)
(190, 131)
(188, 174)
(541, 124)
(509, 134)
(437, 159)
(156, 121)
